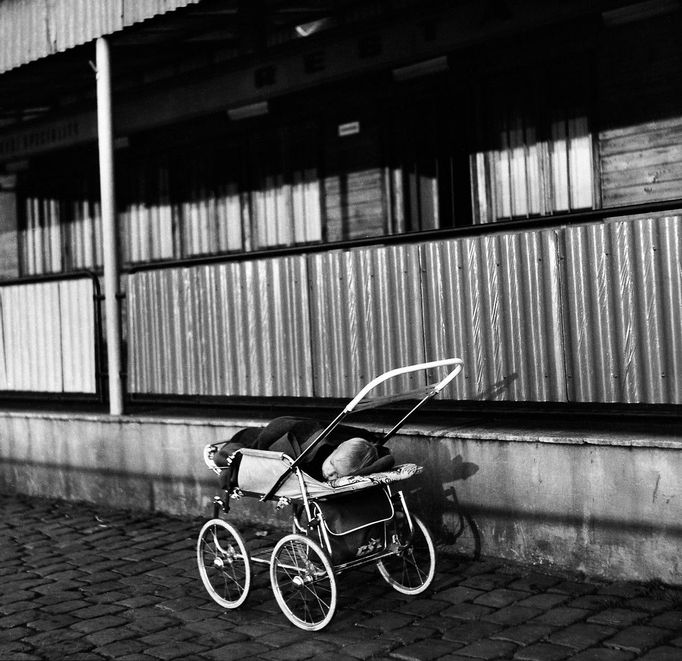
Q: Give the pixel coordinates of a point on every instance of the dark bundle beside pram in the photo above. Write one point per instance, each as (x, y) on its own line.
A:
(339, 524)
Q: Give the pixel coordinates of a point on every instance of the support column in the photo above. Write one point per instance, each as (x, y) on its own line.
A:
(112, 310)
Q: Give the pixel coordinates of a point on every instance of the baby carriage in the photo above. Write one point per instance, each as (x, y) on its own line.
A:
(340, 525)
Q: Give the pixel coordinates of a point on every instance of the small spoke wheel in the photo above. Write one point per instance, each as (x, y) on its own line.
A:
(223, 563)
(303, 582)
(411, 569)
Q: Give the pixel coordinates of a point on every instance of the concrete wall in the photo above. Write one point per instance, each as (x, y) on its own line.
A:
(608, 504)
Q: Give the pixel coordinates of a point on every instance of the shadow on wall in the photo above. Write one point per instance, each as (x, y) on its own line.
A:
(497, 388)
(450, 522)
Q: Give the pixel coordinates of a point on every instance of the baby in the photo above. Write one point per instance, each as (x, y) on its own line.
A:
(350, 457)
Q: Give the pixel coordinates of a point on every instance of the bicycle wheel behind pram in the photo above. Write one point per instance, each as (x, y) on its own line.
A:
(223, 563)
(412, 567)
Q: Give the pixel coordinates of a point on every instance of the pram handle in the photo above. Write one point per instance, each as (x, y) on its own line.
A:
(428, 393)
(431, 390)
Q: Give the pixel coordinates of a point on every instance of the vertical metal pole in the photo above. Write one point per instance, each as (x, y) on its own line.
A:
(109, 234)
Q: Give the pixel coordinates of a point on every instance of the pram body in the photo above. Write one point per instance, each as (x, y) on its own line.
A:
(337, 526)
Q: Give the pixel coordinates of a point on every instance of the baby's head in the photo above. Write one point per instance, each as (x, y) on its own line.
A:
(351, 456)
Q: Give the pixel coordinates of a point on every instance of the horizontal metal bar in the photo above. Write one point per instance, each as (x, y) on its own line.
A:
(365, 560)
(326, 408)
(540, 222)
(20, 395)
(52, 277)
(352, 564)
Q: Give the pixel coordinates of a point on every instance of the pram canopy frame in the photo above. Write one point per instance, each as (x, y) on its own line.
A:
(360, 402)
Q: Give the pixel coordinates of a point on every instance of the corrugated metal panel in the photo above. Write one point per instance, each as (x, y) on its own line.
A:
(624, 311)
(494, 302)
(586, 314)
(32, 29)
(77, 336)
(227, 329)
(366, 318)
(48, 337)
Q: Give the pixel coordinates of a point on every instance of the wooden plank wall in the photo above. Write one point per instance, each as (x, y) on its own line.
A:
(355, 187)
(640, 116)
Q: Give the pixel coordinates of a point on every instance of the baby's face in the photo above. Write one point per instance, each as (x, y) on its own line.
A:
(328, 469)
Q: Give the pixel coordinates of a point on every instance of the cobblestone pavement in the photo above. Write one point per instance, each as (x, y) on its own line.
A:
(83, 582)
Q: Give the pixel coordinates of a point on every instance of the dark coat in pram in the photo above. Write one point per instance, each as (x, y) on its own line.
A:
(292, 436)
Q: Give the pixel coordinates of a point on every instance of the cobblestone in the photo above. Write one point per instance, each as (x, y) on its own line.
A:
(671, 620)
(457, 595)
(524, 634)
(543, 601)
(466, 611)
(638, 639)
(470, 632)
(500, 598)
(488, 649)
(562, 616)
(602, 654)
(412, 634)
(617, 617)
(108, 588)
(581, 636)
(423, 651)
(542, 652)
(511, 615)
(663, 654)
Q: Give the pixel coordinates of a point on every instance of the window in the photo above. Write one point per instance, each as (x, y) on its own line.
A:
(278, 184)
(427, 151)
(59, 215)
(283, 185)
(235, 194)
(356, 184)
(9, 255)
(361, 167)
(145, 218)
(533, 155)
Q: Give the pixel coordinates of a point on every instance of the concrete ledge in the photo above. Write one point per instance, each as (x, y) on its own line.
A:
(630, 434)
(607, 502)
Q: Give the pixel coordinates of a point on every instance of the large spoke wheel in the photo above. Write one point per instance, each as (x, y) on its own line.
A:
(412, 567)
(303, 582)
(223, 563)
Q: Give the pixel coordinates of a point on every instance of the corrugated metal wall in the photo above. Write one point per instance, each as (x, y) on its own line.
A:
(47, 337)
(366, 317)
(589, 313)
(227, 329)
(494, 302)
(32, 29)
(623, 311)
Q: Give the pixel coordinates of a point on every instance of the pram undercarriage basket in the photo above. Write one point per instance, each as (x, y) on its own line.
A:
(337, 526)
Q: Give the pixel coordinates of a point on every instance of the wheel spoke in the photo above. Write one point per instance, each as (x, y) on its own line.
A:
(410, 562)
(322, 604)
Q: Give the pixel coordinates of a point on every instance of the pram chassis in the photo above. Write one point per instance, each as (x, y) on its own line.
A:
(302, 575)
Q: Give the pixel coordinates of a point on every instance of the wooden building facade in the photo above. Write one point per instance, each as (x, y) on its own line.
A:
(309, 194)
(508, 171)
